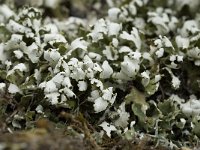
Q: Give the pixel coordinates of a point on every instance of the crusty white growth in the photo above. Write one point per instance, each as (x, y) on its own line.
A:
(103, 60)
(130, 66)
(59, 78)
(115, 42)
(97, 68)
(37, 76)
(192, 107)
(13, 43)
(167, 42)
(139, 23)
(175, 80)
(108, 128)
(18, 54)
(3, 55)
(145, 74)
(15, 27)
(163, 20)
(97, 82)
(33, 52)
(145, 78)
(158, 43)
(79, 43)
(182, 42)
(134, 36)
(194, 54)
(113, 13)
(100, 28)
(100, 104)
(2, 87)
(94, 95)
(52, 97)
(51, 3)
(39, 109)
(159, 22)
(54, 38)
(95, 56)
(124, 49)
(82, 85)
(122, 121)
(132, 8)
(52, 28)
(8, 64)
(107, 70)
(172, 58)
(68, 92)
(157, 77)
(135, 55)
(50, 86)
(108, 95)
(113, 28)
(52, 55)
(190, 26)
(13, 89)
(6, 11)
(110, 53)
(78, 74)
(160, 52)
(66, 82)
(21, 67)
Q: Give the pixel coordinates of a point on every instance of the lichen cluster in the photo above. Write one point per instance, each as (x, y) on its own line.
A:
(132, 72)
